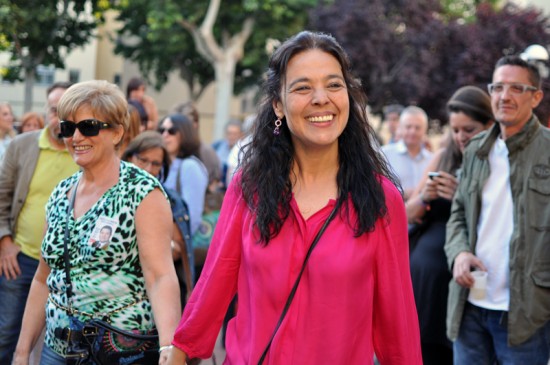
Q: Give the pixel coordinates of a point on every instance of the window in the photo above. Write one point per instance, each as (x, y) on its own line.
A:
(74, 75)
(45, 75)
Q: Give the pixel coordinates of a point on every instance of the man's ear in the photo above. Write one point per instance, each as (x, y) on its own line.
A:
(537, 98)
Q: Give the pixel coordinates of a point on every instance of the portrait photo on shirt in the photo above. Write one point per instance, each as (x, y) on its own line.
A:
(103, 232)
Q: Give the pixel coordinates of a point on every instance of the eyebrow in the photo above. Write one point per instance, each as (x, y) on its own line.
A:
(305, 79)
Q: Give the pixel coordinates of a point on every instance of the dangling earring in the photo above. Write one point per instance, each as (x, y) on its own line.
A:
(278, 124)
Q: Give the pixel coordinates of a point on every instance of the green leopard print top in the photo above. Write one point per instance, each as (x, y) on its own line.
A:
(105, 268)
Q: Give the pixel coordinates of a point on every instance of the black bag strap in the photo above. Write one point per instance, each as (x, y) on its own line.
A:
(66, 258)
(69, 290)
(98, 323)
(295, 286)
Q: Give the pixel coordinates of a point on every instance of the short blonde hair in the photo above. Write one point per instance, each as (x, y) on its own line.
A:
(106, 101)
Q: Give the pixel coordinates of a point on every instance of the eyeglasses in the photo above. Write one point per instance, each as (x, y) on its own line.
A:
(145, 162)
(87, 127)
(516, 89)
(171, 131)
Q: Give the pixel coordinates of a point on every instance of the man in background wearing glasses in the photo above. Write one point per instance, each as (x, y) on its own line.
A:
(33, 165)
(500, 223)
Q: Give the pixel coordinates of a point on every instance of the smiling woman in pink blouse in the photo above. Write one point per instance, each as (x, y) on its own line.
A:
(309, 172)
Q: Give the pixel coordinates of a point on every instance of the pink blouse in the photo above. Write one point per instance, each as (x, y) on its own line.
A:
(355, 296)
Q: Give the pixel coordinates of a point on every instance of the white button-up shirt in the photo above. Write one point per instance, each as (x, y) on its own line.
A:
(408, 169)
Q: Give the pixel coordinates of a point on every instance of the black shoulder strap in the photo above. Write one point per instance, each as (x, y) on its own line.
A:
(66, 258)
(295, 286)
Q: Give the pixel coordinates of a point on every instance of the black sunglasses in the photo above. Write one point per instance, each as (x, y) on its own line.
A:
(171, 131)
(87, 127)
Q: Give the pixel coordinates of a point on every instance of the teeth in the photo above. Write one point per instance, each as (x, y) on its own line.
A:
(81, 148)
(324, 118)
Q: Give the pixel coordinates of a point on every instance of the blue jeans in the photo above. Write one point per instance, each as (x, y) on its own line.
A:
(13, 297)
(50, 357)
(483, 336)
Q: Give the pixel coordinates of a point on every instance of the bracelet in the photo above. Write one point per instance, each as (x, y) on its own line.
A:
(162, 348)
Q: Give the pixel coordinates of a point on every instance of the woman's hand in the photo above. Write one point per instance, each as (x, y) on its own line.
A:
(419, 203)
(445, 185)
(429, 192)
(175, 357)
(163, 358)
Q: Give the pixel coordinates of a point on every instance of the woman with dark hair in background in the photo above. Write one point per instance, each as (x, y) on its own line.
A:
(429, 209)
(187, 174)
(206, 154)
(310, 174)
(148, 152)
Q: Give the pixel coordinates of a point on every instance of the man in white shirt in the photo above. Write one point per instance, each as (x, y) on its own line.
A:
(408, 157)
(500, 223)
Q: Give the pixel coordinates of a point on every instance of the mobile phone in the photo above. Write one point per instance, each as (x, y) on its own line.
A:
(433, 174)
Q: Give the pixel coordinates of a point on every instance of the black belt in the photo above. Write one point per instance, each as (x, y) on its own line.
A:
(67, 334)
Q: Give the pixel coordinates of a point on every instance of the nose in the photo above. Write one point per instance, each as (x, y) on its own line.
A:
(505, 93)
(462, 137)
(320, 96)
(77, 135)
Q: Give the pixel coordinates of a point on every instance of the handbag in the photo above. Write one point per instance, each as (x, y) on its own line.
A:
(297, 281)
(96, 341)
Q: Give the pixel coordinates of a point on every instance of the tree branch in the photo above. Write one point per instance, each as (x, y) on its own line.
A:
(206, 30)
(200, 43)
(239, 40)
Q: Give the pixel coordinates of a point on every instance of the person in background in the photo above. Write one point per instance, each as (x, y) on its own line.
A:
(34, 163)
(233, 132)
(499, 224)
(408, 157)
(187, 174)
(7, 132)
(146, 106)
(148, 152)
(31, 121)
(310, 161)
(134, 128)
(235, 155)
(428, 210)
(131, 282)
(206, 154)
(392, 113)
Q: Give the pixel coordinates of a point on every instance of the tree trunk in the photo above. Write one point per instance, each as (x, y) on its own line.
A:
(225, 75)
(30, 75)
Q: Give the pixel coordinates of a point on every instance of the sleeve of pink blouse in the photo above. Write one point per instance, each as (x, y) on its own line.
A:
(203, 315)
(395, 323)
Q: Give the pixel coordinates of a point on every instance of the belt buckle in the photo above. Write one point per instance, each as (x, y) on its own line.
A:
(89, 330)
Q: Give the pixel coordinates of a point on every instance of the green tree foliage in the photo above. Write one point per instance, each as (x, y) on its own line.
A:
(43, 32)
(156, 36)
(415, 52)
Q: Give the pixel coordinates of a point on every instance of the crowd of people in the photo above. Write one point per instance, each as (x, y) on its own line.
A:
(326, 246)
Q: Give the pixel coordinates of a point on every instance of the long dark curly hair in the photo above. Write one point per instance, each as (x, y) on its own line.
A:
(267, 160)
